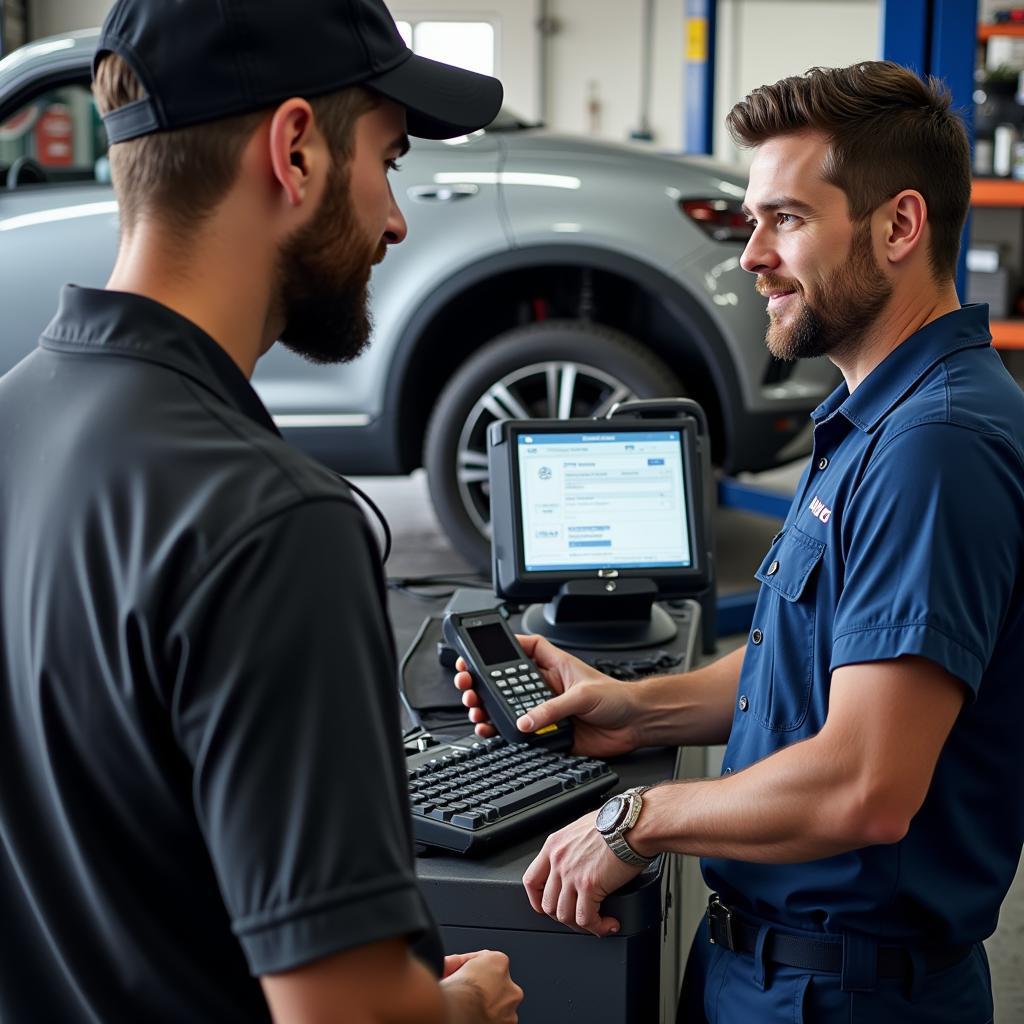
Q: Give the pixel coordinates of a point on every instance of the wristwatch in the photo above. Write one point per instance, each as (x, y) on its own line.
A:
(616, 817)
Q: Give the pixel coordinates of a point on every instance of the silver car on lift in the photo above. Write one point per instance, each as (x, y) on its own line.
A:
(544, 275)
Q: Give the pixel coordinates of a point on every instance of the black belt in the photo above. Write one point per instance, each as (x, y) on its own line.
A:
(731, 929)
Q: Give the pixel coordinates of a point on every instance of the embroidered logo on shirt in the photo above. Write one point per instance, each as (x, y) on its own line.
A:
(819, 510)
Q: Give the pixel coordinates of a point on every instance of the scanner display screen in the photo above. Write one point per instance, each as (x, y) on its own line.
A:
(614, 499)
(493, 643)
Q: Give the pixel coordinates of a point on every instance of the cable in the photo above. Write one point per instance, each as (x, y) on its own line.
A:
(377, 512)
(456, 580)
(414, 715)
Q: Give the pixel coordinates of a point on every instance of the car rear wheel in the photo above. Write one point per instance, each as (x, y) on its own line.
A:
(551, 370)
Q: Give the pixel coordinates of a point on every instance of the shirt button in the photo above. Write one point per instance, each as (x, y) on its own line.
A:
(744, 703)
(757, 636)
(773, 568)
(728, 771)
(823, 464)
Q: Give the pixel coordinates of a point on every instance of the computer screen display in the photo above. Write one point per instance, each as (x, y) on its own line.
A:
(609, 499)
(598, 500)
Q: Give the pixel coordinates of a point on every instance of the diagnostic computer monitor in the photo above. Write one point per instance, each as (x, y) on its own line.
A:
(588, 509)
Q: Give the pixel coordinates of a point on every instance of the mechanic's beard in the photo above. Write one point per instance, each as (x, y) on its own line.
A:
(840, 311)
(325, 274)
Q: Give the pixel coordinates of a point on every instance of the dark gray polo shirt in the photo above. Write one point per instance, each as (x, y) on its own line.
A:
(201, 775)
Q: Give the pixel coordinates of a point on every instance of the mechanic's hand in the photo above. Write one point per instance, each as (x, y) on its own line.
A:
(573, 873)
(602, 707)
(479, 988)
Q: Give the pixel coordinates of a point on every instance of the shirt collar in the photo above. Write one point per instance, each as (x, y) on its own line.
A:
(132, 326)
(900, 371)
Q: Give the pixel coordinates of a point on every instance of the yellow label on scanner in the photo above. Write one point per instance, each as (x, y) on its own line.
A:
(547, 728)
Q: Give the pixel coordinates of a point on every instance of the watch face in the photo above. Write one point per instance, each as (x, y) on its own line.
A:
(611, 814)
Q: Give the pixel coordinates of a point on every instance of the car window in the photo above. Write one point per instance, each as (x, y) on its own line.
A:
(55, 138)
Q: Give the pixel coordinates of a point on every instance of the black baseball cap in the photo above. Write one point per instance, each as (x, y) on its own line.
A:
(202, 60)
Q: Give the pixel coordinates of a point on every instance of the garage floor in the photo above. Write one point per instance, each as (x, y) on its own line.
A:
(420, 549)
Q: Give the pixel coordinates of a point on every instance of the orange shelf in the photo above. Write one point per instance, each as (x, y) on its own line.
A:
(986, 32)
(997, 192)
(1007, 333)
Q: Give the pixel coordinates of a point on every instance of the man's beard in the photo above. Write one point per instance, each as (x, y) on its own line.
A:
(837, 313)
(324, 274)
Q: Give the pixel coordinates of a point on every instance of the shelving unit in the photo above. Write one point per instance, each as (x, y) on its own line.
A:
(986, 32)
(1001, 192)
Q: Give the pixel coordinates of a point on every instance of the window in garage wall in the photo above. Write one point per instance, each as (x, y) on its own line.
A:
(467, 42)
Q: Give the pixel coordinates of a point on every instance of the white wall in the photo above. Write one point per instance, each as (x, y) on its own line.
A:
(599, 46)
(600, 42)
(51, 16)
(517, 43)
(760, 42)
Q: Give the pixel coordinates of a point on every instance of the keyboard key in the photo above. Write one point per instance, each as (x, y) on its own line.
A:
(525, 796)
(471, 819)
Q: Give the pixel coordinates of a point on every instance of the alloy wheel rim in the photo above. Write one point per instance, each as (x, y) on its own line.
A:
(555, 389)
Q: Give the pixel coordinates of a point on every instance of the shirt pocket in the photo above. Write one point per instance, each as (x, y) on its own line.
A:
(788, 616)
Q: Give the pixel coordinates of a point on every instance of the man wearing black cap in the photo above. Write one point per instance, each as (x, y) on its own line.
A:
(202, 774)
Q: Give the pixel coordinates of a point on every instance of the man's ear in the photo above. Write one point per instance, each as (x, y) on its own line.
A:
(906, 219)
(294, 150)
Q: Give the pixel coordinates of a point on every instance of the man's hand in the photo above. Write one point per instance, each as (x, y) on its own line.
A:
(573, 873)
(602, 708)
(479, 989)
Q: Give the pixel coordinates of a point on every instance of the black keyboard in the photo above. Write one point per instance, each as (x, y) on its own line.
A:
(471, 794)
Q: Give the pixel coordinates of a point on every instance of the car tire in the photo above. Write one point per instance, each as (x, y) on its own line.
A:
(553, 369)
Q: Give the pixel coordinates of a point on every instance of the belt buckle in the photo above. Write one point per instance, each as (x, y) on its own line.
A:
(720, 924)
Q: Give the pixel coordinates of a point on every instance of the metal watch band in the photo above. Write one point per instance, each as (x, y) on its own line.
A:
(617, 840)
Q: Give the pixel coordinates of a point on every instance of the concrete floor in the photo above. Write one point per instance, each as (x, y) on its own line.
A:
(420, 549)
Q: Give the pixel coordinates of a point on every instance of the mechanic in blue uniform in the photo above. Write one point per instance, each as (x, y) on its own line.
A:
(868, 820)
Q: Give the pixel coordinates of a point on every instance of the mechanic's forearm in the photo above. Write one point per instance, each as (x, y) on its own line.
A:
(804, 802)
(694, 709)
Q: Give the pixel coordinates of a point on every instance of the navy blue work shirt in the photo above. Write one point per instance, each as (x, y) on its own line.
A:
(905, 537)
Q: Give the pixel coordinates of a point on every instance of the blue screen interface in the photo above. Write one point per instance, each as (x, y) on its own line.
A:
(605, 500)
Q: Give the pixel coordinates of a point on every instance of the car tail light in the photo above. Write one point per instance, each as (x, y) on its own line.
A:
(722, 219)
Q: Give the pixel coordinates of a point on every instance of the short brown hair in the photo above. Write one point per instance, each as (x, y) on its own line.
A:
(888, 130)
(178, 177)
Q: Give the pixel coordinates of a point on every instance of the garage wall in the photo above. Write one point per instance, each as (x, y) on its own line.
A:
(516, 40)
(595, 57)
(51, 16)
(760, 42)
